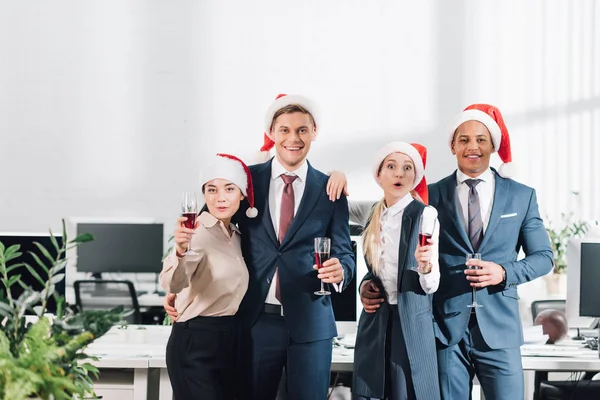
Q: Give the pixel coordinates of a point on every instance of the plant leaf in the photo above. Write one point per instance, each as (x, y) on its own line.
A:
(54, 241)
(45, 252)
(57, 278)
(83, 238)
(39, 261)
(35, 274)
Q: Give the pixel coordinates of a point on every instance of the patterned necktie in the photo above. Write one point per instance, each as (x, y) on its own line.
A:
(285, 217)
(475, 224)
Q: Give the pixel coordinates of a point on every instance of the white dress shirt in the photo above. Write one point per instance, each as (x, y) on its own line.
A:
(389, 242)
(485, 190)
(275, 192)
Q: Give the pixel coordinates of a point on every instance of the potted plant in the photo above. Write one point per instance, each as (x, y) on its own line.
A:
(45, 359)
(559, 239)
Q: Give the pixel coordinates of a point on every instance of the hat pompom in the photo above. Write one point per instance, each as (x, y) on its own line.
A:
(507, 170)
(262, 157)
(252, 212)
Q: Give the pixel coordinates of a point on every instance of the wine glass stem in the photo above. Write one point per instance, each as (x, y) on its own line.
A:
(474, 296)
(322, 288)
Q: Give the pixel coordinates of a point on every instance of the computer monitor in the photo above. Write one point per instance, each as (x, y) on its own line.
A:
(120, 247)
(583, 275)
(27, 243)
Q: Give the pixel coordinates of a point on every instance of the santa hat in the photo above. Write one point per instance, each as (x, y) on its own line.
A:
(492, 119)
(231, 168)
(418, 155)
(283, 100)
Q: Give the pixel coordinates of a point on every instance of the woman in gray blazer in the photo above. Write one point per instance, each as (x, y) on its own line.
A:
(395, 355)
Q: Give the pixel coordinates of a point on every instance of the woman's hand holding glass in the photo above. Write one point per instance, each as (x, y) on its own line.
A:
(423, 256)
(182, 236)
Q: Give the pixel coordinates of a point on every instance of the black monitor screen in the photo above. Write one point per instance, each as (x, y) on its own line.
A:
(26, 241)
(589, 300)
(121, 248)
(344, 303)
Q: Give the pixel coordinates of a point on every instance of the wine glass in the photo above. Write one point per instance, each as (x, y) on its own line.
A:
(474, 256)
(189, 209)
(322, 250)
(427, 223)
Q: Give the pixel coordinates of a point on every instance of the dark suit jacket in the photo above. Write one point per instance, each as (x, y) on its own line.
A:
(515, 223)
(308, 317)
(414, 308)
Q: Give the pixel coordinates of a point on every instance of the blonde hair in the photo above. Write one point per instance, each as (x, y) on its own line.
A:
(371, 233)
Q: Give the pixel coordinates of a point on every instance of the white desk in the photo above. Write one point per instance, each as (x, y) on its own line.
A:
(141, 354)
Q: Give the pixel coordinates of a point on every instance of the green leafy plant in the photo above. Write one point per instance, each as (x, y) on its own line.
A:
(559, 238)
(44, 359)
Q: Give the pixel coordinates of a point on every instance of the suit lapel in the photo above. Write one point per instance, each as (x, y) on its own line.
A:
(312, 192)
(262, 180)
(453, 210)
(500, 195)
(408, 219)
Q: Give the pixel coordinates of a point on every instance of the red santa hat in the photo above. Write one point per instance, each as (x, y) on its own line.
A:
(492, 119)
(418, 155)
(283, 100)
(231, 168)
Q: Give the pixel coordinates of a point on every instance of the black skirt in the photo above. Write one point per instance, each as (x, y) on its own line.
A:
(203, 358)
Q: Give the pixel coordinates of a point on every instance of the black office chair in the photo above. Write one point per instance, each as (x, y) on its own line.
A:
(541, 305)
(98, 294)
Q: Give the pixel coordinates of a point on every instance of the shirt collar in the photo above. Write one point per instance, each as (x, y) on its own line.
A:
(208, 221)
(486, 176)
(400, 205)
(277, 169)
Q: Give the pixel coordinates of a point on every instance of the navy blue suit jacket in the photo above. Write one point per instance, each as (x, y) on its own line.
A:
(308, 317)
(515, 223)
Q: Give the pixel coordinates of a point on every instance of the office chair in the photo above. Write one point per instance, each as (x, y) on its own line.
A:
(98, 294)
(541, 305)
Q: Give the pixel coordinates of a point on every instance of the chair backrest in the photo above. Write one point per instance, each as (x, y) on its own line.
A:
(99, 294)
(540, 305)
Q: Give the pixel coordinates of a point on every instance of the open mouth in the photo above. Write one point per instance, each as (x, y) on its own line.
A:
(222, 209)
(398, 185)
(472, 156)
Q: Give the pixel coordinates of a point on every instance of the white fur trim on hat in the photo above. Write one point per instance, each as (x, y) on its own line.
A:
(286, 101)
(484, 118)
(225, 168)
(399, 147)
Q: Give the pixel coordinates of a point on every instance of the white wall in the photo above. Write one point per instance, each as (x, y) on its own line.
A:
(107, 108)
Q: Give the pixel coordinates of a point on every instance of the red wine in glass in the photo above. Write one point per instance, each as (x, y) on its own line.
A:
(320, 258)
(190, 223)
(423, 239)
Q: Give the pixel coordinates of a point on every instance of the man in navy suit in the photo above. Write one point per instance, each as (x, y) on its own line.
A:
(482, 211)
(292, 329)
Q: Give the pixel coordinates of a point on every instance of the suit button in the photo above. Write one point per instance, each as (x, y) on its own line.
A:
(279, 254)
(268, 280)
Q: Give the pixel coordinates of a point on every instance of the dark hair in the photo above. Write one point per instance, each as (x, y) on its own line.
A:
(289, 109)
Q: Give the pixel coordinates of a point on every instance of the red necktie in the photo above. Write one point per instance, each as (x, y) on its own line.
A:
(286, 216)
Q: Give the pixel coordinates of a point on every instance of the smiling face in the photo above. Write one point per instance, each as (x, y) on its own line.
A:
(292, 133)
(222, 198)
(472, 145)
(396, 177)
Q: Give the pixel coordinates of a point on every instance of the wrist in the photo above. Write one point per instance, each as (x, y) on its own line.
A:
(503, 281)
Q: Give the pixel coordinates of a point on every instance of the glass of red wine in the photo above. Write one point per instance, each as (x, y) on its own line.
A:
(427, 223)
(474, 256)
(189, 209)
(322, 249)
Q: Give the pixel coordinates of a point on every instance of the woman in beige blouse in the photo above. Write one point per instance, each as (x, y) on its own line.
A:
(202, 352)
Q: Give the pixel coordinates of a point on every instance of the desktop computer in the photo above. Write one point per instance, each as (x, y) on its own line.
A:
(583, 276)
(121, 247)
